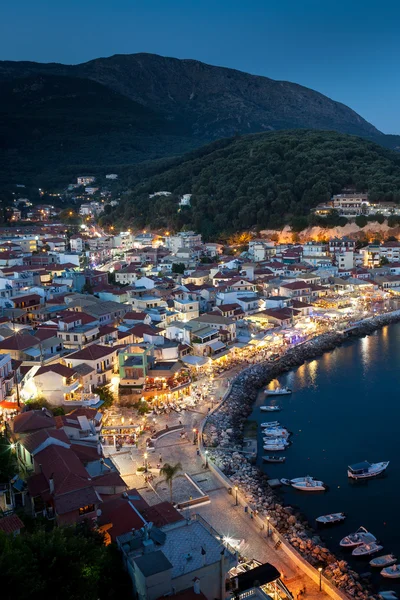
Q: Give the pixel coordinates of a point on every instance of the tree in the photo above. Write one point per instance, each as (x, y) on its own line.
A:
(105, 395)
(69, 563)
(361, 221)
(384, 261)
(178, 268)
(170, 472)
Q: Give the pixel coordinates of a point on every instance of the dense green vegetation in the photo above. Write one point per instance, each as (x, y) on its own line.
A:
(54, 128)
(70, 563)
(261, 180)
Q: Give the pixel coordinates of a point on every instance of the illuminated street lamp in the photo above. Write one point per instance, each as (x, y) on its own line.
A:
(145, 461)
(236, 495)
(268, 530)
(206, 453)
(194, 435)
(320, 578)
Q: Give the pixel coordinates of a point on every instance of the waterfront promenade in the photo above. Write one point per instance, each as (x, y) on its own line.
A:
(221, 511)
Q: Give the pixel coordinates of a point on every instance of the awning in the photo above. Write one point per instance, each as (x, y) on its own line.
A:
(194, 361)
(217, 345)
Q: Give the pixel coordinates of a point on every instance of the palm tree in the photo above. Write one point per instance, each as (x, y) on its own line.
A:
(170, 472)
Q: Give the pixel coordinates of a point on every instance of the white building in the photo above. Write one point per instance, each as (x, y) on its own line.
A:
(112, 176)
(85, 179)
(185, 200)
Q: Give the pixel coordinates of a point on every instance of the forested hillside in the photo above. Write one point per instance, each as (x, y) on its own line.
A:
(261, 180)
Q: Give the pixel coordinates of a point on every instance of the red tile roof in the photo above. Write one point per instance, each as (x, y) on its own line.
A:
(33, 420)
(94, 352)
(11, 524)
(162, 514)
(56, 368)
(34, 440)
(65, 467)
(21, 341)
(76, 499)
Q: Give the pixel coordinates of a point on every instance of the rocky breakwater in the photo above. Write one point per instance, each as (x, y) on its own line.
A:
(223, 437)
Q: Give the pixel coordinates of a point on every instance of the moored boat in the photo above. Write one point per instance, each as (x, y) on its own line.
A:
(392, 572)
(275, 447)
(274, 459)
(270, 408)
(286, 481)
(366, 549)
(383, 561)
(361, 536)
(270, 424)
(279, 391)
(366, 470)
(388, 595)
(308, 484)
(332, 518)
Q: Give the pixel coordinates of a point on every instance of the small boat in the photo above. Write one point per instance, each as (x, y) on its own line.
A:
(392, 572)
(361, 536)
(284, 391)
(366, 470)
(270, 408)
(332, 518)
(274, 459)
(271, 441)
(388, 595)
(308, 484)
(366, 549)
(275, 447)
(383, 561)
(275, 432)
(286, 481)
(270, 424)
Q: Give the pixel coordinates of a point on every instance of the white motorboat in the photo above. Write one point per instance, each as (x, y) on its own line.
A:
(286, 481)
(275, 447)
(279, 391)
(270, 424)
(392, 572)
(308, 484)
(388, 595)
(332, 518)
(366, 470)
(272, 441)
(275, 432)
(383, 561)
(274, 459)
(361, 536)
(366, 549)
(270, 408)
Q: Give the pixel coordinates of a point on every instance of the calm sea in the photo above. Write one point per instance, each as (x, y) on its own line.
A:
(345, 408)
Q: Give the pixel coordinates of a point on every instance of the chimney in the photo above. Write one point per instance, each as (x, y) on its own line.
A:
(196, 585)
(51, 484)
(99, 449)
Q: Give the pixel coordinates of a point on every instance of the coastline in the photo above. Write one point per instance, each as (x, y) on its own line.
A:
(223, 437)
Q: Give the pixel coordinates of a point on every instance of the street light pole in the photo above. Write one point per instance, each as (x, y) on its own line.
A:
(145, 461)
(236, 500)
(320, 578)
(206, 453)
(194, 435)
(268, 530)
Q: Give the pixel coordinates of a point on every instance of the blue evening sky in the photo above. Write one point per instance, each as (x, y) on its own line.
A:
(348, 50)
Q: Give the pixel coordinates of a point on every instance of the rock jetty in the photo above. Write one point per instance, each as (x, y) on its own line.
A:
(223, 436)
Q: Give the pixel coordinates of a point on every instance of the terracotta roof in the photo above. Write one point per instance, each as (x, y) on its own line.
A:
(33, 420)
(11, 524)
(137, 316)
(21, 341)
(121, 513)
(56, 368)
(75, 500)
(86, 454)
(296, 285)
(93, 352)
(65, 467)
(140, 329)
(34, 440)
(162, 514)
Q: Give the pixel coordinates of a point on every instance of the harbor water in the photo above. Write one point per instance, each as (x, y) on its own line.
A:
(344, 409)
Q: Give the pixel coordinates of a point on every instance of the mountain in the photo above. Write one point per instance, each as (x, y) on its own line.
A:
(52, 127)
(261, 180)
(189, 103)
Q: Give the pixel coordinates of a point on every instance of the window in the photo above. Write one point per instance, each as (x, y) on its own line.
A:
(67, 337)
(84, 510)
(75, 338)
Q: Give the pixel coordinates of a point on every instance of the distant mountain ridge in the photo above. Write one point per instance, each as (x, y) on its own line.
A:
(188, 104)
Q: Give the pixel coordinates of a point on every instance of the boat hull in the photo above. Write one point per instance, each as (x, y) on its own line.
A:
(366, 549)
(331, 519)
(374, 472)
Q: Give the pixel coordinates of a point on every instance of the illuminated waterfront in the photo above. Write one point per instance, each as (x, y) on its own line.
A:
(345, 409)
